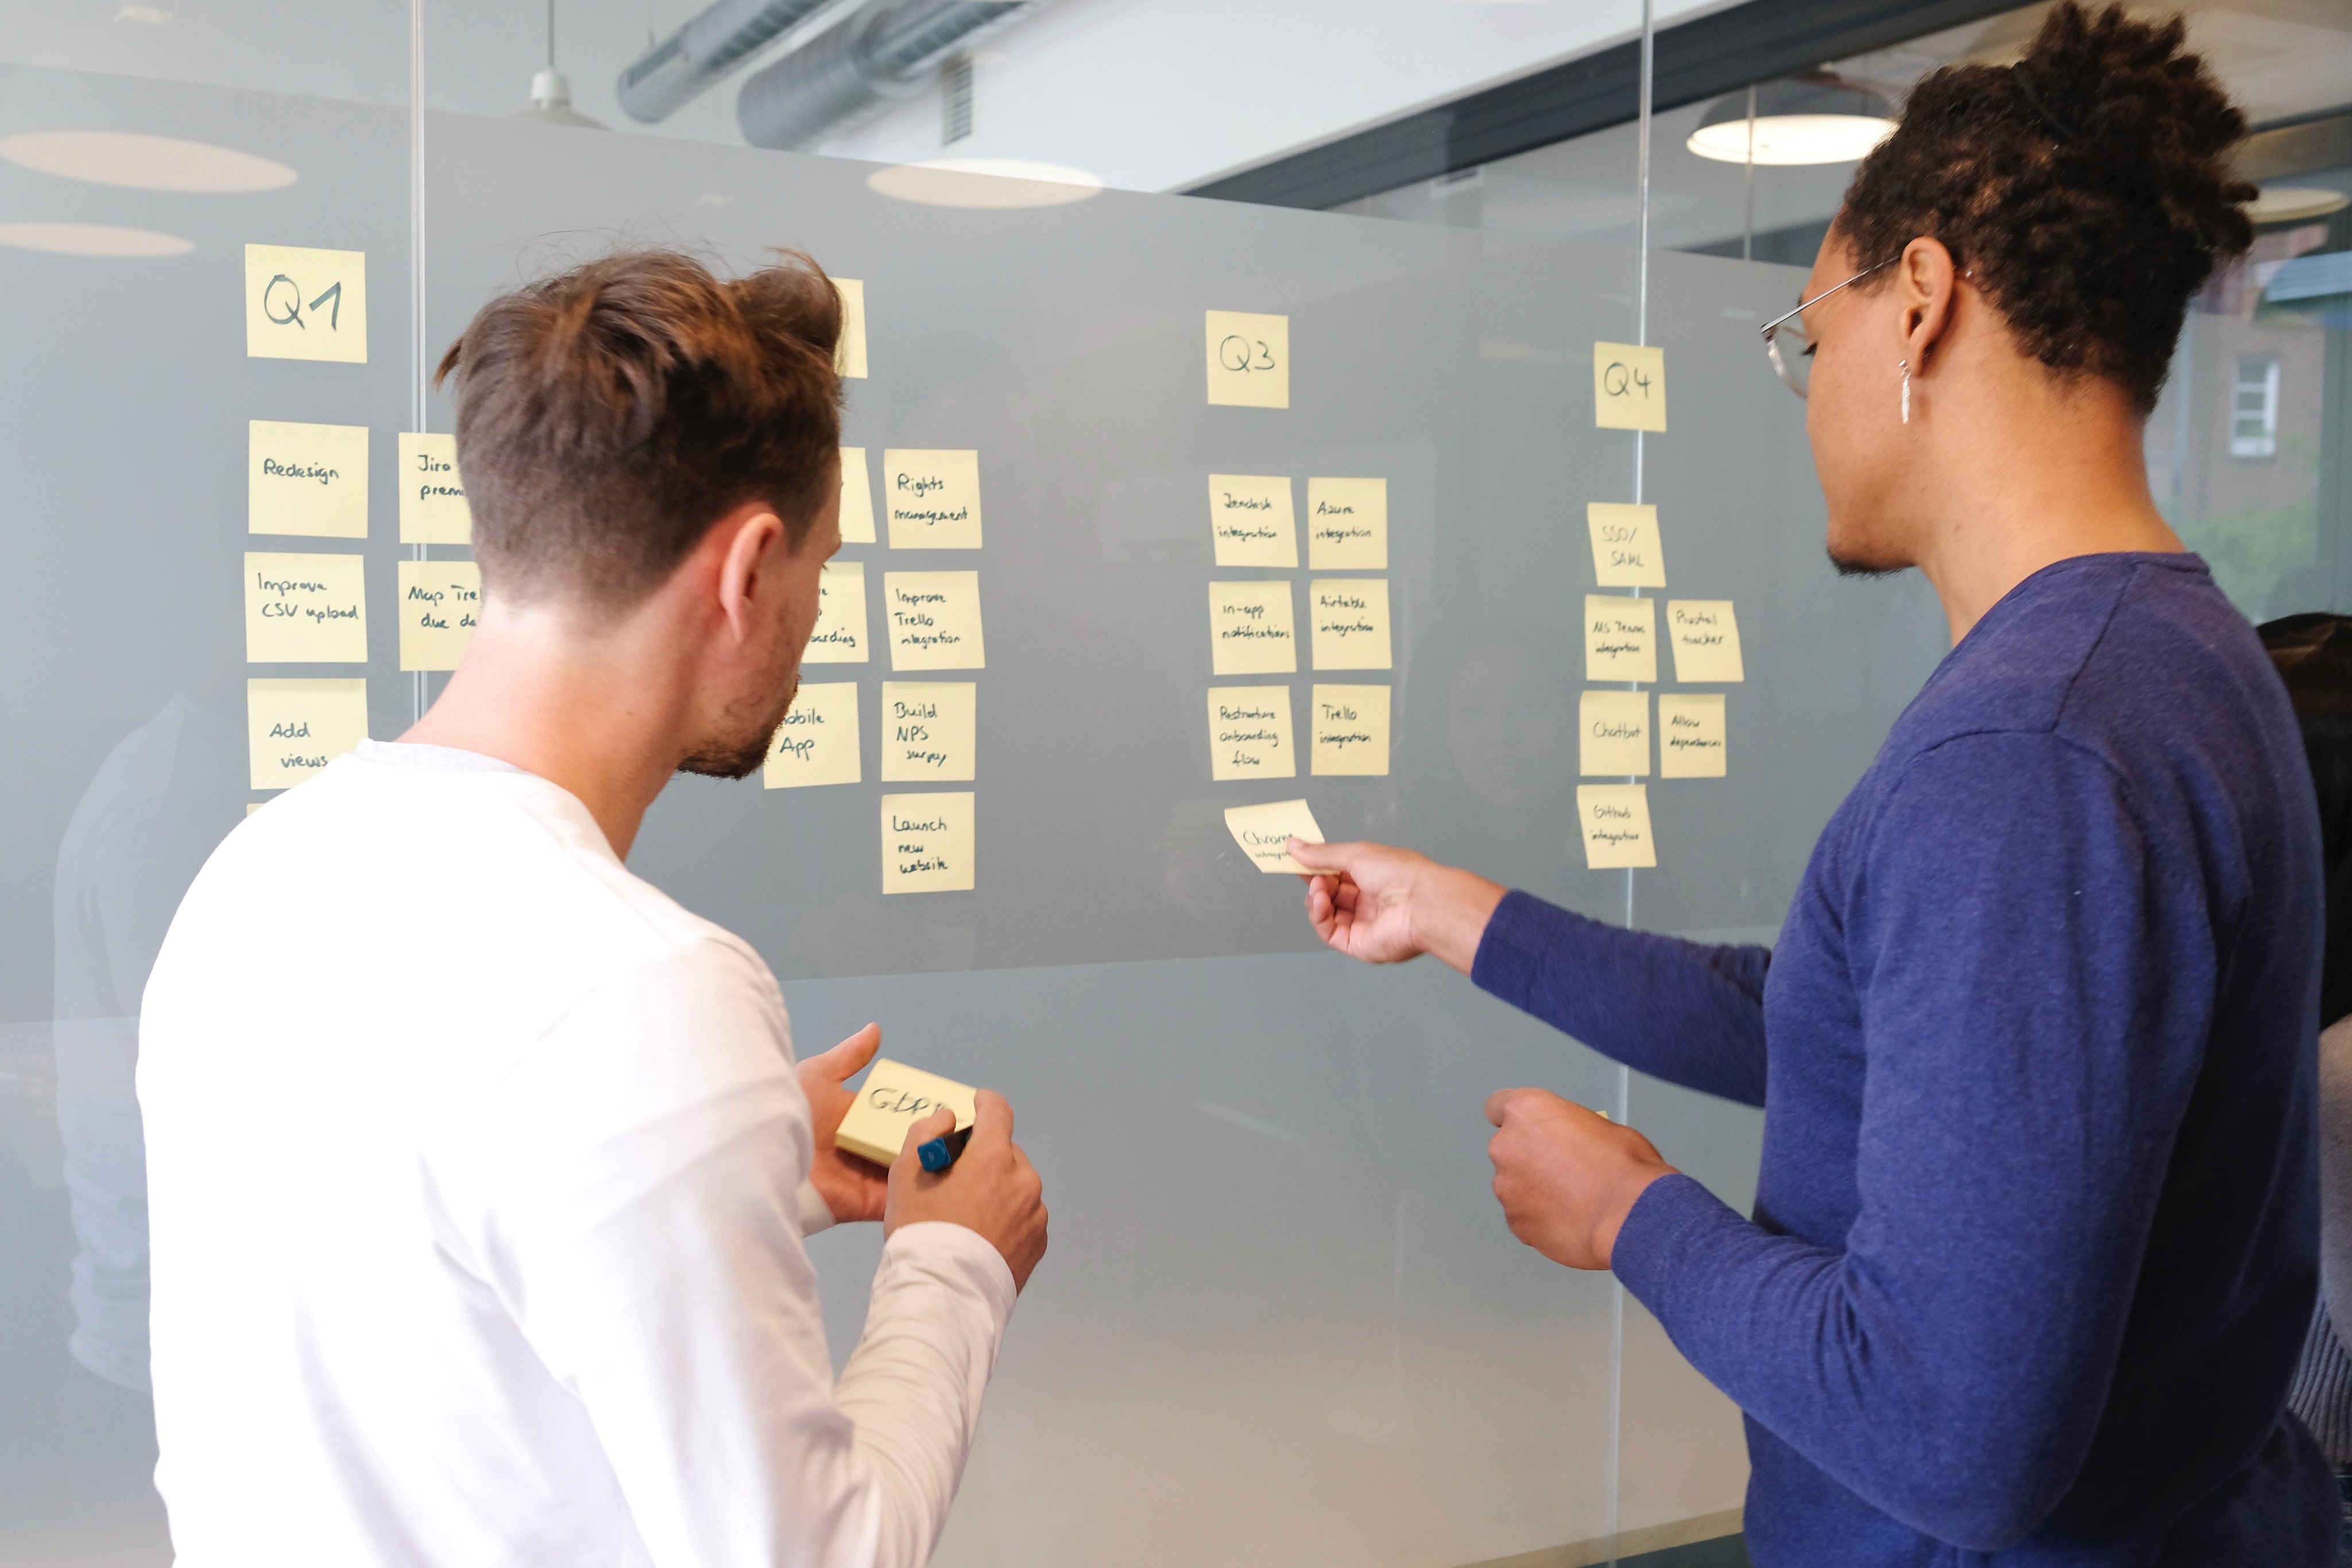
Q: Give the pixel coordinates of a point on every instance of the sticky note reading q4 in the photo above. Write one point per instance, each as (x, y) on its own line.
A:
(891, 1101)
(1629, 387)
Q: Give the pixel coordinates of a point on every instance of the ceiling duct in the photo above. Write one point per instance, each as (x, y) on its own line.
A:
(887, 52)
(682, 65)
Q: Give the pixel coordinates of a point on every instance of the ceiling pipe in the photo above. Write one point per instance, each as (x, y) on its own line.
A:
(686, 64)
(887, 52)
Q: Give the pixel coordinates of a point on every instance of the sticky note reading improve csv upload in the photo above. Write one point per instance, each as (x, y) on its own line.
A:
(929, 731)
(1691, 735)
(1626, 551)
(1249, 359)
(934, 620)
(857, 498)
(1707, 640)
(306, 479)
(1250, 629)
(1629, 387)
(305, 304)
(305, 609)
(1351, 622)
(433, 510)
(926, 842)
(294, 728)
(891, 1101)
(1616, 822)
(1350, 731)
(1265, 831)
(840, 635)
(817, 742)
(1250, 519)
(1250, 733)
(849, 355)
(932, 498)
(1620, 638)
(1348, 525)
(440, 605)
(1613, 733)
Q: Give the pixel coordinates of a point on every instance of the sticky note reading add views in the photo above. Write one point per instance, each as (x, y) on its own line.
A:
(893, 1098)
(1613, 733)
(857, 498)
(817, 742)
(1348, 525)
(926, 842)
(440, 605)
(1265, 831)
(1629, 387)
(1250, 519)
(1620, 638)
(1351, 622)
(305, 609)
(934, 620)
(1250, 629)
(305, 304)
(1249, 359)
(294, 728)
(929, 731)
(1691, 735)
(1249, 733)
(840, 635)
(433, 510)
(1616, 822)
(306, 479)
(1627, 552)
(932, 497)
(1707, 640)
(1351, 731)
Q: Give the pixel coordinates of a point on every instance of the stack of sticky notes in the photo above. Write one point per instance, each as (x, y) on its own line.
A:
(893, 1099)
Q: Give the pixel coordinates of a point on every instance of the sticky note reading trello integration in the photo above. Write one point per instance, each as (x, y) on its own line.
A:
(1707, 640)
(433, 510)
(1249, 359)
(889, 1104)
(849, 354)
(1629, 387)
(305, 609)
(932, 498)
(934, 620)
(1351, 731)
(1250, 733)
(1264, 832)
(1250, 519)
(306, 479)
(305, 304)
(926, 842)
(857, 498)
(1691, 735)
(1625, 549)
(930, 730)
(1620, 638)
(840, 635)
(294, 728)
(1613, 733)
(1348, 525)
(1616, 822)
(1351, 622)
(440, 605)
(817, 742)
(1250, 629)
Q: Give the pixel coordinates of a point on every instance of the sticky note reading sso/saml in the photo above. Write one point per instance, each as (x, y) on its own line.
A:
(1348, 525)
(932, 498)
(1351, 622)
(1707, 640)
(1351, 731)
(840, 635)
(1616, 822)
(1620, 638)
(926, 842)
(305, 609)
(857, 498)
(1250, 519)
(1629, 387)
(1250, 733)
(294, 728)
(433, 510)
(849, 354)
(1250, 629)
(306, 479)
(1627, 552)
(929, 731)
(1264, 832)
(1249, 359)
(1691, 735)
(1613, 733)
(817, 742)
(305, 304)
(440, 605)
(934, 620)
(891, 1101)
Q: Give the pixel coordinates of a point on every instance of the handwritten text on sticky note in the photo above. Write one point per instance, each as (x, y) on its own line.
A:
(857, 498)
(932, 498)
(305, 304)
(926, 842)
(1616, 822)
(1250, 733)
(1348, 525)
(1621, 641)
(840, 635)
(1707, 640)
(433, 510)
(934, 620)
(306, 479)
(930, 730)
(1629, 387)
(1627, 552)
(1265, 831)
(1250, 629)
(1691, 735)
(849, 354)
(294, 728)
(1249, 359)
(1250, 519)
(1613, 733)
(1351, 731)
(817, 742)
(1351, 622)
(891, 1101)
(440, 605)
(305, 609)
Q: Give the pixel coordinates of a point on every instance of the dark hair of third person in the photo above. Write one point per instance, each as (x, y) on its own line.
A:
(2086, 188)
(2314, 655)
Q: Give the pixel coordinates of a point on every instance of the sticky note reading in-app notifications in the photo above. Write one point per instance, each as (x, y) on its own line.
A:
(1613, 733)
(849, 358)
(1625, 549)
(934, 620)
(1351, 622)
(294, 728)
(306, 479)
(840, 635)
(440, 605)
(305, 609)
(1692, 736)
(305, 304)
(1249, 359)
(1348, 525)
(1707, 640)
(1629, 387)
(433, 510)
(1616, 822)
(889, 1104)
(1250, 519)
(932, 497)
(857, 498)
(1351, 731)
(929, 731)
(1250, 631)
(1249, 733)
(926, 842)
(817, 742)
(1265, 831)
(1620, 638)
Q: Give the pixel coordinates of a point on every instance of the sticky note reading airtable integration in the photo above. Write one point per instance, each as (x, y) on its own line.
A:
(440, 605)
(929, 731)
(891, 1101)
(1249, 359)
(1250, 629)
(294, 728)
(926, 842)
(1250, 519)
(1620, 638)
(1265, 831)
(1707, 640)
(1629, 387)
(305, 304)
(306, 479)
(1351, 731)
(849, 355)
(934, 620)
(1616, 822)
(932, 497)
(857, 498)
(1249, 733)
(433, 510)
(1625, 549)
(1691, 735)
(305, 609)
(1348, 525)
(1351, 622)
(1613, 733)
(817, 742)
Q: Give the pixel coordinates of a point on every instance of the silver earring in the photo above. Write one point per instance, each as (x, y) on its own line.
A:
(1907, 389)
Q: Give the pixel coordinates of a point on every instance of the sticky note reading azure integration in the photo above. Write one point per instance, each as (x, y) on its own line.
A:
(1351, 731)
(840, 635)
(817, 742)
(433, 510)
(1616, 822)
(1250, 519)
(306, 479)
(305, 609)
(893, 1098)
(933, 498)
(1620, 638)
(934, 620)
(1249, 359)
(294, 728)
(930, 730)
(1629, 387)
(926, 842)
(1250, 629)
(1707, 640)
(305, 304)
(1264, 832)
(1348, 525)
(1626, 551)
(1691, 738)
(440, 605)
(1249, 733)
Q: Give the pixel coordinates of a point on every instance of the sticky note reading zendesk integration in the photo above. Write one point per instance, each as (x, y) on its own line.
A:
(433, 510)
(926, 842)
(840, 635)
(934, 620)
(1351, 622)
(930, 730)
(1707, 640)
(857, 498)
(1625, 549)
(1351, 731)
(305, 609)
(1249, 359)
(1616, 822)
(1249, 733)
(1629, 387)
(817, 742)
(933, 498)
(891, 1101)
(1620, 638)
(1691, 735)
(1613, 733)
(440, 605)
(1265, 831)
(1250, 518)
(849, 358)
(305, 304)
(1348, 525)
(306, 479)
(294, 728)
(1250, 629)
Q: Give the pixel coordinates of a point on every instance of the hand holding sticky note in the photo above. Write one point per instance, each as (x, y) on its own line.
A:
(893, 1099)
(1265, 833)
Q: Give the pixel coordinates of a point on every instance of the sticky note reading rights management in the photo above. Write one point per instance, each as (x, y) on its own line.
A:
(1615, 819)
(891, 1101)
(1250, 519)
(1264, 832)
(926, 842)
(1627, 552)
(1250, 733)
(932, 498)
(817, 742)
(306, 479)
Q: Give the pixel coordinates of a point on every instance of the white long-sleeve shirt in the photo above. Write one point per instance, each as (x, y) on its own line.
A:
(477, 1180)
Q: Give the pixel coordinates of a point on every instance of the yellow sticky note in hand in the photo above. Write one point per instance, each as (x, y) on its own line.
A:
(1249, 359)
(305, 304)
(1264, 832)
(891, 1101)
(1629, 387)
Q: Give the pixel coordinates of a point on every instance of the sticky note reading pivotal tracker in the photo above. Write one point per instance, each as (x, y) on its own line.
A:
(934, 620)
(930, 730)
(1691, 735)
(1250, 519)
(1348, 525)
(932, 497)
(294, 728)
(1616, 822)
(1249, 733)
(306, 479)
(1707, 640)
(1625, 549)
(1250, 629)
(440, 605)
(1249, 359)
(849, 356)
(1621, 639)
(1629, 387)
(305, 304)
(1265, 831)
(817, 742)
(1351, 731)
(926, 842)
(857, 498)
(1613, 733)
(840, 635)
(305, 609)
(1351, 622)
(433, 510)
(891, 1101)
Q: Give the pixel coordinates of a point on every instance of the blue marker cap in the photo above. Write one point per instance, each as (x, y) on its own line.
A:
(941, 1152)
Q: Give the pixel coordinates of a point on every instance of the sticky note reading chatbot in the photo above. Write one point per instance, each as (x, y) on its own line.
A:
(892, 1100)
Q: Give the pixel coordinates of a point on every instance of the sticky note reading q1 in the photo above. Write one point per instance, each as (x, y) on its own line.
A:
(893, 1098)
(1616, 822)
(440, 605)
(817, 742)
(1249, 359)
(305, 304)
(433, 510)
(1264, 832)
(294, 728)
(306, 479)
(1629, 387)
(1626, 550)
(926, 842)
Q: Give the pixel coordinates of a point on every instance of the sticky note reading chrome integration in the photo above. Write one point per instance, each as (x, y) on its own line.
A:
(1625, 549)
(1351, 622)
(857, 498)
(1707, 640)
(1250, 629)
(1249, 733)
(926, 842)
(894, 1098)
(932, 497)
(817, 742)
(1348, 525)
(1620, 638)
(294, 728)
(305, 609)
(305, 304)
(934, 620)
(1692, 737)
(440, 605)
(840, 635)
(1265, 831)
(929, 731)
(1249, 359)
(1616, 822)
(433, 510)
(849, 356)
(1351, 731)
(1629, 387)
(1251, 521)
(1613, 733)
(306, 479)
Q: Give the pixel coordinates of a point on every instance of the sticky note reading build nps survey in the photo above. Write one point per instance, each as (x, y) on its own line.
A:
(1351, 731)
(1250, 631)
(926, 842)
(1249, 359)
(1250, 519)
(1625, 549)
(304, 304)
(1249, 733)
(305, 609)
(817, 742)
(1629, 387)
(840, 635)
(1613, 733)
(1691, 735)
(1616, 822)
(306, 479)
(849, 359)
(1707, 640)
(934, 620)
(1265, 831)
(294, 728)
(933, 498)
(1351, 622)
(1348, 525)
(433, 510)
(440, 605)
(894, 1098)
(1620, 638)
(857, 498)
(930, 730)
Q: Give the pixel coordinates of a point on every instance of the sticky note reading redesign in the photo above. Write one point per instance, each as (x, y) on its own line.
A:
(930, 730)
(891, 1101)
(1613, 733)
(1620, 638)
(849, 356)
(305, 609)
(1629, 387)
(1250, 518)
(1249, 733)
(1265, 831)
(306, 479)
(1692, 736)
(934, 620)
(926, 842)
(840, 635)
(440, 605)
(433, 510)
(1249, 359)
(1351, 622)
(817, 742)
(294, 728)
(1351, 731)
(1707, 640)
(305, 304)
(1348, 525)
(932, 497)
(1616, 822)
(857, 498)
(1250, 629)
(1627, 552)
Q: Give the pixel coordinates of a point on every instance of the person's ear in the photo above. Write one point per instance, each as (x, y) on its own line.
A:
(1923, 281)
(752, 533)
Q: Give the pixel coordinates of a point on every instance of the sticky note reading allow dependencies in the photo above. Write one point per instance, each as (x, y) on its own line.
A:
(1348, 525)
(1629, 387)
(817, 742)
(891, 1101)
(1692, 737)
(926, 842)
(305, 609)
(433, 510)
(1627, 552)
(306, 479)
(1250, 519)
(294, 728)
(932, 498)
(1249, 359)
(305, 304)
(440, 605)
(1250, 733)
(1264, 832)
(840, 635)
(1616, 822)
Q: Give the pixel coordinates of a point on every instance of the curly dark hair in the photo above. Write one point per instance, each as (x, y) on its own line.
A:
(2087, 186)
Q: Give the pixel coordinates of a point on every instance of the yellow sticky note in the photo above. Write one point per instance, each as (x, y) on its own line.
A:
(926, 842)
(1265, 831)
(433, 510)
(1348, 525)
(306, 479)
(1250, 518)
(305, 609)
(294, 728)
(1626, 550)
(891, 1101)
(1613, 733)
(1249, 359)
(1629, 387)
(1616, 822)
(1351, 731)
(930, 730)
(932, 497)
(857, 498)
(1250, 629)
(1707, 640)
(934, 620)
(1620, 638)
(1692, 737)
(440, 605)
(817, 742)
(305, 304)
(1351, 622)
(840, 635)
(849, 356)
(1249, 733)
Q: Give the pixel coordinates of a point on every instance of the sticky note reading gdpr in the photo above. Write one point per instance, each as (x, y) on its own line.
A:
(891, 1101)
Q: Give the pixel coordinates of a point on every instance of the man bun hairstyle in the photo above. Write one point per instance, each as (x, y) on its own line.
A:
(608, 416)
(2087, 187)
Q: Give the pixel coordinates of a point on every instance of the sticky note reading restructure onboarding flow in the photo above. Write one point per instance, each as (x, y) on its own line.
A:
(929, 731)
(817, 742)
(1620, 638)
(1250, 733)
(1348, 525)
(932, 498)
(1264, 832)
(1613, 733)
(1249, 359)
(440, 605)
(1350, 622)
(1616, 822)
(294, 728)
(305, 609)
(1250, 519)
(1250, 629)
(1707, 641)
(1692, 739)
(1626, 551)
(306, 479)
(926, 842)
(857, 498)
(849, 356)
(891, 1101)
(433, 510)
(840, 635)
(1629, 387)
(305, 304)
(933, 619)
(1350, 731)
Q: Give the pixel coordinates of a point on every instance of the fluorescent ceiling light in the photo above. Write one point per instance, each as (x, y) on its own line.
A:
(984, 182)
(1818, 118)
(2284, 203)
(92, 239)
(143, 163)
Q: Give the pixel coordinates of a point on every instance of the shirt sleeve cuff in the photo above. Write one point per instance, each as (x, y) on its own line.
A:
(1674, 1217)
(957, 1257)
(815, 1213)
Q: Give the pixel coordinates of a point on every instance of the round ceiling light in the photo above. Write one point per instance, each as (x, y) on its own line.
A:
(984, 182)
(1818, 118)
(92, 239)
(2286, 203)
(141, 162)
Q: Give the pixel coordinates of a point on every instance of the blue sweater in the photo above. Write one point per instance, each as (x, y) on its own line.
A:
(2035, 1236)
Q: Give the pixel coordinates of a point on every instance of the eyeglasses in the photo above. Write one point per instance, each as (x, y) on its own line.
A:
(1786, 343)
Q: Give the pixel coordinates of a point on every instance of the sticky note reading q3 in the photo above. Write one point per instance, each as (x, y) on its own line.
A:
(893, 1098)
(1250, 519)
(933, 498)
(433, 510)
(1264, 832)
(306, 479)
(440, 605)
(857, 498)
(1629, 387)
(1249, 733)
(926, 842)
(817, 742)
(305, 304)
(1626, 551)
(1707, 640)
(294, 728)
(1351, 731)
(1620, 638)
(305, 609)
(1691, 735)
(1249, 359)
(1616, 822)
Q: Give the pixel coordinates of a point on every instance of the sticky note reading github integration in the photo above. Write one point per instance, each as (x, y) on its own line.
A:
(849, 356)
(1627, 552)
(305, 304)
(1707, 641)
(1351, 731)
(306, 479)
(1613, 733)
(817, 742)
(926, 842)
(840, 635)
(929, 731)
(1250, 519)
(1620, 638)
(1348, 525)
(934, 620)
(1351, 622)
(1250, 733)
(1692, 740)
(1616, 822)
(294, 728)
(305, 609)
(891, 1101)
(1265, 831)
(1250, 629)
(932, 498)
(857, 498)
(1249, 359)
(433, 510)
(1629, 387)
(440, 605)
